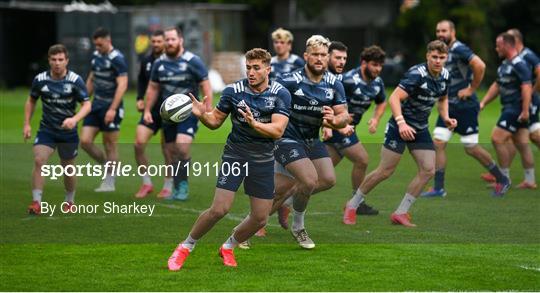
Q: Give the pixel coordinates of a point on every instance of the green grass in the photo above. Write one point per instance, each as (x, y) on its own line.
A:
(466, 241)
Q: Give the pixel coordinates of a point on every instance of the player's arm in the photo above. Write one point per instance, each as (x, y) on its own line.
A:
(478, 68)
(490, 95)
(121, 87)
(212, 119)
(537, 83)
(29, 108)
(142, 83)
(442, 106)
(206, 90)
(274, 129)
(405, 131)
(90, 83)
(377, 114)
(71, 122)
(336, 117)
(151, 98)
(526, 96)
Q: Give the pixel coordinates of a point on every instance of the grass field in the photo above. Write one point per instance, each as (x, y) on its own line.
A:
(466, 241)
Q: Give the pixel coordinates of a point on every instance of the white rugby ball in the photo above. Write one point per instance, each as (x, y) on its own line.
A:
(176, 108)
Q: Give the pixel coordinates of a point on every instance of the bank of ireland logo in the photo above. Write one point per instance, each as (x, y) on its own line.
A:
(313, 102)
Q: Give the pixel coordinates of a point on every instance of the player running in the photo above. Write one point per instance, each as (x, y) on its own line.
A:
(466, 73)
(514, 86)
(145, 131)
(178, 71)
(363, 86)
(259, 111)
(534, 125)
(60, 90)
(411, 104)
(284, 61)
(303, 166)
(108, 82)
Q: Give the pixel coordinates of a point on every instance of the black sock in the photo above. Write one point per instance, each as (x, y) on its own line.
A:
(496, 171)
(181, 171)
(439, 179)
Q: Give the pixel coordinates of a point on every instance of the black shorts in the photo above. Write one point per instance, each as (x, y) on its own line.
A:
(67, 143)
(289, 150)
(509, 120)
(467, 119)
(340, 142)
(258, 178)
(394, 142)
(96, 117)
(154, 126)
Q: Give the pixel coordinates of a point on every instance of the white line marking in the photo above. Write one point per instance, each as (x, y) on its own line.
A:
(530, 268)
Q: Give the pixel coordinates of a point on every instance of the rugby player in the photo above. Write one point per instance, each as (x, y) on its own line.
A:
(60, 90)
(411, 102)
(259, 111)
(108, 83)
(284, 61)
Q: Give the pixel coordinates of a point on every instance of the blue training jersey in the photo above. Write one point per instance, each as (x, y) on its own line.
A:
(106, 68)
(533, 61)
(59, 98)
(459, 56)
(307, 101)
(360, 93)
(180, 75)
(424, 90)
(281, 67)
(511, 74)
(244, 142)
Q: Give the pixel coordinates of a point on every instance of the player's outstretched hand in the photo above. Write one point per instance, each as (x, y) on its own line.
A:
(109, 116)
(198, 107)
(248, 116)
(524, 116)
(140, 105)
(347, 130)
(27, 132)
(69, 123)
(450, 123)
(373, 123)
(327, 133)
(406, 132)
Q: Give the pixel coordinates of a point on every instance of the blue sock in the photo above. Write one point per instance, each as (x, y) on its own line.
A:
(439, 179)
(496, 172)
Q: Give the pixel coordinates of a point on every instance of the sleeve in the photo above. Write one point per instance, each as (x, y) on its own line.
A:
(225, 102)
(154, 74)
(299, 63)
(410, 81)
(381, 96)
(142, 80)
(120, 65)
(523, 73)
(532, 59)
(198, 69)
(348, 84)
(339, 94)
(283, 103)
(34, 90)
(287, 81)
(81, 93)
(464, 53)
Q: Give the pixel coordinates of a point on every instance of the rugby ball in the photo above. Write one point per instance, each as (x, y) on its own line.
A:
(176, 108)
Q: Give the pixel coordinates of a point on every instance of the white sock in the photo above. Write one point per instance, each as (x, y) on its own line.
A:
(36, 195)
(231, 243)
(168, 183)
(405, 204)
(109, 179)
(506, 172)
(356, 200)
(146, 179)
(529, 175)
(298, 220)
(289, 201)
(70, 196)
(189, 243)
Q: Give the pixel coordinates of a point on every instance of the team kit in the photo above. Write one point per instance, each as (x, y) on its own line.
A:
(293, 120)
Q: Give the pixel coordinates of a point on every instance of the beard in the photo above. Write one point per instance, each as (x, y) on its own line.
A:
(172, 51)
(314, 70)
(157, 51)
(368, 74)
(445, 40)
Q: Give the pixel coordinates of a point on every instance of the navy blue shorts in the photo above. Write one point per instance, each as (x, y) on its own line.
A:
(535, 109)
(340, 142)
(467, 119)
(188, 126)
(394, 142)
(288, 150)
(97, 116)
(67, 143)
(509, 120)
(258, 178)
(154, 126)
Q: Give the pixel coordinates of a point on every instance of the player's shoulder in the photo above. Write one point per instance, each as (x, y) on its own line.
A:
(330, 78)
(73, 77)
(190, 57)
(518, 60)
(116, 54)
(418, 70)
(378, 80)
(277, 88)
(293, 58)
(293, 77)
(459, 45)
(445, 74)
(236, 87)
(274, 59)
(42, 76)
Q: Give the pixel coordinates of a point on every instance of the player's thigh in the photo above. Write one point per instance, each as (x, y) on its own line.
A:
(222, 202)
(260, 207)
(183, 143)
(88, 134)
(110, 138)
(143, 134)
(425, 160)
(521, 136)
(356, 153)
(303, 171)
(500, 135)
(325, 171)
(334, 154)
(42, 153)
(283, 183)
(389, 161)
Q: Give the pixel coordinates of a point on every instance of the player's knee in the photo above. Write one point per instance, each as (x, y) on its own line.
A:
(260, 220)
(308, 185)
(427, 172)
(218, 212)
(385, 173)
(86, 143)
(40, 161)
(139, 146)
(470, 148)
(327, 182)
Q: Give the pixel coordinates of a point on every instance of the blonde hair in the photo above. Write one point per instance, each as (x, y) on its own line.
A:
(317, 41)
(282, 34)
